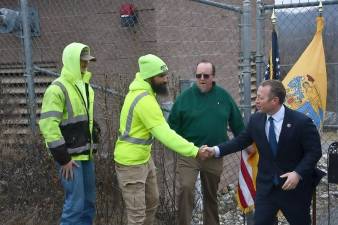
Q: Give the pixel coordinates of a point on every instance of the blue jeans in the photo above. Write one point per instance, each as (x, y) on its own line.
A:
(80, 195)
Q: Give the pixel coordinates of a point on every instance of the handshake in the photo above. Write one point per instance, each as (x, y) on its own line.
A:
(205, 152)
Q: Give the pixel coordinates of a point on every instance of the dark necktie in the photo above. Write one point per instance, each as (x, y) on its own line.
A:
(273, 145)
(272, 137)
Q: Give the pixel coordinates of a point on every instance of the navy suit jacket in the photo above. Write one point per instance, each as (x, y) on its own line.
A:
(299, 148)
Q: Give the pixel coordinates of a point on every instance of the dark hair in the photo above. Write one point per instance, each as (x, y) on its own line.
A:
(277, 89)
(212, 66)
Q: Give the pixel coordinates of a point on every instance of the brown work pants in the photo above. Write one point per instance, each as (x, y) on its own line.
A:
(140, 192)
(210, 172)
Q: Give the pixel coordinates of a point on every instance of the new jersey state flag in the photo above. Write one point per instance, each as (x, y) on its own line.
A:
(306, 83)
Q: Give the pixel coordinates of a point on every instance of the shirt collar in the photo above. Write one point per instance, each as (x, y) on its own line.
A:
(279, 115)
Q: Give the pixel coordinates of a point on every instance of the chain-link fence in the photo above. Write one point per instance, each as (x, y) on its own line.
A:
(182, 33)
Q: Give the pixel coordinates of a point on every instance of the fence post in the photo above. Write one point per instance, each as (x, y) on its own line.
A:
(260, 37)
(246, 72)
(246, 69)
(27, 41)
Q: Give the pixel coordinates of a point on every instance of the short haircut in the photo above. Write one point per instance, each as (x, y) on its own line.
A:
(277, 89)
(212, 66)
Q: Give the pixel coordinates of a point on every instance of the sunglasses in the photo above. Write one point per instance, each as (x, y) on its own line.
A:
(205, 76)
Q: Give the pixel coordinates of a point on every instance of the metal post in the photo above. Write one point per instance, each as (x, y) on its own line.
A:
(336, 100)
(246, 72)
(26, 28)
(259, 42)
(226, 6)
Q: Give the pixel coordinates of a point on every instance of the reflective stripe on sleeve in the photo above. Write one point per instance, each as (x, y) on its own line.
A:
(55, 114)
(55, 144)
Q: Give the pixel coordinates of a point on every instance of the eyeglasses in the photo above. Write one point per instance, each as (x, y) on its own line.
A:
(205, 76)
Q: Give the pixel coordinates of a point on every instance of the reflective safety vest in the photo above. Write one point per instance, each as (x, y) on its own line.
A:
(133, 146)
(125, 136)
(141, 118)
(66, 120)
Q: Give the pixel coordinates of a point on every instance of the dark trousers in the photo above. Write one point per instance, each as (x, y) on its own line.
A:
(210, 171)
(294, 204)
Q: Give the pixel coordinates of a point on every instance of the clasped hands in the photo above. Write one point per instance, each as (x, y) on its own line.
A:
(205, 152)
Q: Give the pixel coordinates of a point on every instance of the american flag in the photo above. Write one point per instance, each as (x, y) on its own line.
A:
(273, 67)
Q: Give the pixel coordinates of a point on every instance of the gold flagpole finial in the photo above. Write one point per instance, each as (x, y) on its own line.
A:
(320, 8)
(273, 17)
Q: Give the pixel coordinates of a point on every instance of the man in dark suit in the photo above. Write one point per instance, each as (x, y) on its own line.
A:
(289, 148)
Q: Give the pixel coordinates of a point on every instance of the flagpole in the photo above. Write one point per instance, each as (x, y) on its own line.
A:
(320, 8)
(273, 19)
(314, 195)
(271, 55)
(273, 22)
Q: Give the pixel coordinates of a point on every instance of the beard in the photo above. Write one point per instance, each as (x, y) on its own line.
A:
(160, 89)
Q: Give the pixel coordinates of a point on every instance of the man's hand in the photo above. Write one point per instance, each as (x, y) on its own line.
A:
(291, 181)
(205, 152)
(67, 170)
(211, 151)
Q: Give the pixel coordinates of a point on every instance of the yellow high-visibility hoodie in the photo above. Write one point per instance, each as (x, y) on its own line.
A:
(142, 119)
(66, 120)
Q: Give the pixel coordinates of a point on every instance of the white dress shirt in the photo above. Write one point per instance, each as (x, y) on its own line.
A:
(278, 118)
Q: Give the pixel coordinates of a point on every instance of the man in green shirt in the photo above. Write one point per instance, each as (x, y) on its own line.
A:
(201, 114)
(142, 120)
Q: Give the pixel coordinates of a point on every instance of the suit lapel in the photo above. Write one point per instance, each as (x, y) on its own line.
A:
(262, 127)
(287, 124)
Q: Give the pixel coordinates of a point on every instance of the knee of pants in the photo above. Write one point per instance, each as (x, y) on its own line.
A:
(90, 198)
(153, 205)
(136, 213)
(152, 209)
(264, 220)
(76, 206)
(135, 218)
(153, 200)
(186, 185)
(134, 196)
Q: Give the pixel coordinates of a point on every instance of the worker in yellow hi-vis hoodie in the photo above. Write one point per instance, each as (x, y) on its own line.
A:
(141, 121)
(66, 123)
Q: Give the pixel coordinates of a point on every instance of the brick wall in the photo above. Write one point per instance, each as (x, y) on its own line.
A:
(188, 32)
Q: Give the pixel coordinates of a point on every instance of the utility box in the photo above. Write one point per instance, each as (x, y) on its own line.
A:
(128, 15)
(333, 163)
(11, 21)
